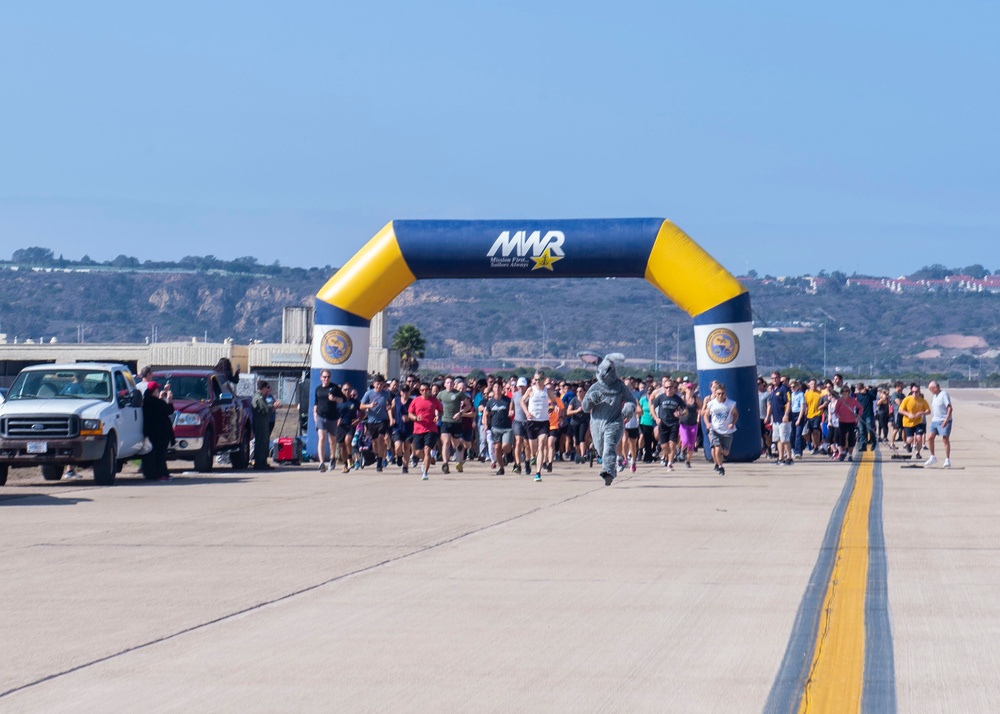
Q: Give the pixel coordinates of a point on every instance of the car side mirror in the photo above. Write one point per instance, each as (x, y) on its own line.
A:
(136, 400)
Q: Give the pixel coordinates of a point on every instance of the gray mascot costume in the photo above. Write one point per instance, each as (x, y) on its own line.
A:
(610, 404)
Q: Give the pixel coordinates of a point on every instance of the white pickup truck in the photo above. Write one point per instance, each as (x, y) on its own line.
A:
(84, 414)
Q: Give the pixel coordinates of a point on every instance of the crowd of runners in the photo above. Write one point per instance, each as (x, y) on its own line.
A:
(526, 426)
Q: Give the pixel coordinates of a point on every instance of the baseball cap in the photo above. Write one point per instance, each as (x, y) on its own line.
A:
(152, 386)
(522, 382)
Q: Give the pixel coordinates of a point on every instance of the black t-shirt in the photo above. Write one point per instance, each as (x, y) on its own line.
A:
(780, 396)
(665, 406)
(570, 400)
(347, 412)
(324, 407)
(499, 411)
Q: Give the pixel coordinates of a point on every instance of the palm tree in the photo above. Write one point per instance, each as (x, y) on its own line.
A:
(410, 343)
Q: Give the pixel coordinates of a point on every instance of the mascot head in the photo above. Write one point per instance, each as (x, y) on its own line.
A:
(606, 372)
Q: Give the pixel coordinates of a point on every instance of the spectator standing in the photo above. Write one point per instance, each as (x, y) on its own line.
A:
(941, 420)
(261, 426)
(866, 398)
(144, 376)
(779, 405)
(157, 426)
(797, 417)
(225, 366)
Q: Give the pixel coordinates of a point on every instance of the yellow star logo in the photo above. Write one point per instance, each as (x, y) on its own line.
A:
(545, 260)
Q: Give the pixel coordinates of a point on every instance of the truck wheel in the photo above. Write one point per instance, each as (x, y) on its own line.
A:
(203, 460)
(52, 472)
(3, 474)
(240, 459)
(106, 467)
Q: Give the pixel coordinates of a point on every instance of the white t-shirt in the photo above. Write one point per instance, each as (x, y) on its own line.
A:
(721, 415)
(939, 406)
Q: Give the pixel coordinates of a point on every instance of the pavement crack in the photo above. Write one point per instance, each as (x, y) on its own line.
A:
(296, 593)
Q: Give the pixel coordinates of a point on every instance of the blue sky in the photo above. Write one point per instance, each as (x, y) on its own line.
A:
(787, 138)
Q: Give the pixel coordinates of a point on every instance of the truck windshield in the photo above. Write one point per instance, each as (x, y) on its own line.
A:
(61, 384)
(192, 388)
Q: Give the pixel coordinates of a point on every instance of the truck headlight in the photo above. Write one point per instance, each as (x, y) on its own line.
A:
(90, 427)
(188, 420)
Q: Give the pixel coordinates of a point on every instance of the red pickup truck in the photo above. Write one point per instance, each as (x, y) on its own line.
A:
(209, 418)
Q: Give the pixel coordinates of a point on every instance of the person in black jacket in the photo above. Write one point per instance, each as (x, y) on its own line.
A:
(157, 426)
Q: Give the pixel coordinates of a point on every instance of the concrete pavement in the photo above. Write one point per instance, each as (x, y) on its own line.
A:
(300, 591)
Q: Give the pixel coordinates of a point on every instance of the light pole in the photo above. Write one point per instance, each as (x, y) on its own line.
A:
(677, 334)
(824, 350)
(656, 347)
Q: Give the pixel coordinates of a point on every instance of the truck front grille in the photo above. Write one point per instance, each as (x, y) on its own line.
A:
(39, 427)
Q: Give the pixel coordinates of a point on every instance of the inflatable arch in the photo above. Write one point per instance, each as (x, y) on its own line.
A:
(651, 248)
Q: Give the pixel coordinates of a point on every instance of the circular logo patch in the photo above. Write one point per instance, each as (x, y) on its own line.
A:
(337, 347)
(722, 345)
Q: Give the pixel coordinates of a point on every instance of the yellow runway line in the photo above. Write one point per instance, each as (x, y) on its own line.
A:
(836, 676)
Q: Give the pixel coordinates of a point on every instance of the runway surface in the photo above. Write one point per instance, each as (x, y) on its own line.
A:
(816, 587)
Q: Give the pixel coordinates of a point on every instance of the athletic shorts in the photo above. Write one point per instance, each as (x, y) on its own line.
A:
(537, 429)
(813, 424)
(326, 424)
(918, 430)
(468, 435)
(452, 428)
(940, 428)
(669, 432)
(520, 428)
(897, 421)
(554, 433)
(425, 440)
(632, 433)
(689, 436)
(403, 434)
(782, 431)
(579, 431)
(503, 436)
(725, 441)
(377, 428)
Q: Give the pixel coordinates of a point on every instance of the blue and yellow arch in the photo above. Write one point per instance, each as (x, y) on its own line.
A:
(651, 248)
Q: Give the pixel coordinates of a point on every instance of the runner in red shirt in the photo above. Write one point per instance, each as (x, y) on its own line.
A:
(424, 412)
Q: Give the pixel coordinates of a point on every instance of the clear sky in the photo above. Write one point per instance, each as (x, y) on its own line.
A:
(785, 137)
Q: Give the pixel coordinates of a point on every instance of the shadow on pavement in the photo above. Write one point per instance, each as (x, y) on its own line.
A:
(39, 499)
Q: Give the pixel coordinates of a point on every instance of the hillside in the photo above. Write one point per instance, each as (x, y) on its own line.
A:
(481, 323)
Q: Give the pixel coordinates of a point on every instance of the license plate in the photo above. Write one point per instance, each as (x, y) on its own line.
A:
(38, 447)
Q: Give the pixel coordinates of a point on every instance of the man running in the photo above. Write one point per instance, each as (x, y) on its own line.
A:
(720, 421)
(453, 400)
(535, 402)
(424, 412)
(497, 418)
(914, 410)
(327, 397)
(378, 419)
(667, 409)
